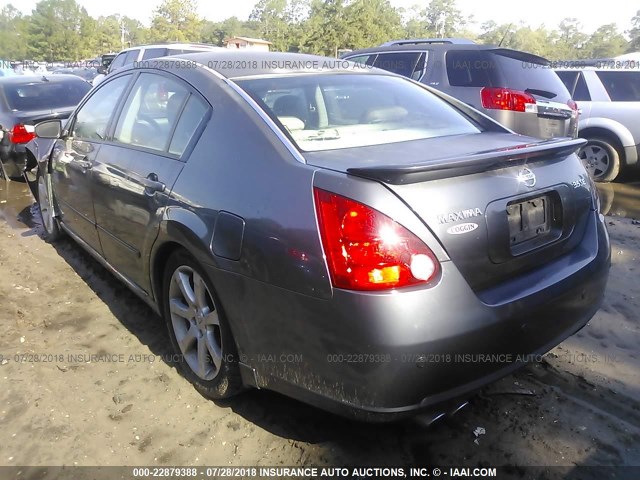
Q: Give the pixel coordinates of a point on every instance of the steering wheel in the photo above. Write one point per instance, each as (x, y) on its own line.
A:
(142, 117)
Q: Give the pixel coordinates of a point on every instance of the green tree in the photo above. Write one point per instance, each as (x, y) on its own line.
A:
(606, 42)
(134, 32)
(176, 20)
(570, 40)
(217, 32)
(109, 34)
(444, 18)
(634, 33)
(371, 22)
(13, 34)
(58, 30)
(271, 18)
(326, 29)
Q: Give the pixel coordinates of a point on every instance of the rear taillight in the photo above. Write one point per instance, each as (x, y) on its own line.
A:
(572, 105)
(366, 250)
(507, 99)
(22, 133)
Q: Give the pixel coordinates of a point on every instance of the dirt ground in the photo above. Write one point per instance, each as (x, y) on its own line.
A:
(580, 406)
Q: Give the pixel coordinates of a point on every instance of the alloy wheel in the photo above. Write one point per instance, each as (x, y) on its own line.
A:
(44, 204)
(195, 322)
(596, 159)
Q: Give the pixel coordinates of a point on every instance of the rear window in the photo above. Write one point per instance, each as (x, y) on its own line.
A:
(621, 86)
(45, 95)
(478, 68)
(326, 112)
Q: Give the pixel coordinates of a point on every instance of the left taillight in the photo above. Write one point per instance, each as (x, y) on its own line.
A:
(366, 250)
(22, 133)
(507, 99)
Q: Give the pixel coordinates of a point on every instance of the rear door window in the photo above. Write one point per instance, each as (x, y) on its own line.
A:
(402, 63)
(581, 93)
(132, 56)
(151, 112)
(363, 59)
(193, 114)
(621, 86)
(569, 79)
(118, 62)
(154, 53)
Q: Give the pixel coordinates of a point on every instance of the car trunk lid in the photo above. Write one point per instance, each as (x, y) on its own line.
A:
(512, 204)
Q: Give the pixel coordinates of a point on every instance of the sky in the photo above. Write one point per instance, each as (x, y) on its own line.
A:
(591, 13)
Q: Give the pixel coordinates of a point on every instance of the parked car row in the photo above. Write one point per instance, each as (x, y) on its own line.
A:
(609, 106)
(520, 91)
(345, 236)
(25, 101)
(510, 86)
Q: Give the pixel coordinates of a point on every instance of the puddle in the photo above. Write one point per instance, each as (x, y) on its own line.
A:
(17, 207)
(620, 199)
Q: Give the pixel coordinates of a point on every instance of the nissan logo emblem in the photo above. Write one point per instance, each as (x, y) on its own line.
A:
(527, 177)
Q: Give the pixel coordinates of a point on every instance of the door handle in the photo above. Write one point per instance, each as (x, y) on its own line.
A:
(85, 165)
(152, 185)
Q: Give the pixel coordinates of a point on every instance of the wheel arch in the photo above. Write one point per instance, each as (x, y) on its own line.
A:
(614, 131)
(177, 232)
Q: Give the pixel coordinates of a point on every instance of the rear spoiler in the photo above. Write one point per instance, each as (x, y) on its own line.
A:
(469, 164)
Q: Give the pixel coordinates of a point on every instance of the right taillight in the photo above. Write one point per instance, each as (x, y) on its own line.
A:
(507, 99)
(366, 250)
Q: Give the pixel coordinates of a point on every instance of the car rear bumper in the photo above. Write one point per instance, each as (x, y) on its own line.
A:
(378, 357)
(535, 125)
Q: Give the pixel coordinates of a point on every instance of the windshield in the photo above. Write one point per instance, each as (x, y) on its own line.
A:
(332, 111)
(45, 95)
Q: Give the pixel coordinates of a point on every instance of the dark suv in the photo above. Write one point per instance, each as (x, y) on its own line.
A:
(517, 89)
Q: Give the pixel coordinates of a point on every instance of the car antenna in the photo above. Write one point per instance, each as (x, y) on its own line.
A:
(505, 34)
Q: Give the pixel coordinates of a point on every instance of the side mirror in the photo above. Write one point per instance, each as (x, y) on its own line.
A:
(102, 70)
(49, 129)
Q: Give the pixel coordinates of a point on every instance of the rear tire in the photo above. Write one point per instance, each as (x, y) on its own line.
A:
(50, 224)
(198, 330)
(601, 158)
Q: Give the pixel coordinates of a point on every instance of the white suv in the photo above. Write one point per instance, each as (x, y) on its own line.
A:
(608, 98)
(147, 52)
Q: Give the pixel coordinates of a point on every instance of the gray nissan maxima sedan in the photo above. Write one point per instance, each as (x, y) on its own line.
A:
(339, 234)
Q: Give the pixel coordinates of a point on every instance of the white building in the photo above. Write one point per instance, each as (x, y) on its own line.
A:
(246, 42)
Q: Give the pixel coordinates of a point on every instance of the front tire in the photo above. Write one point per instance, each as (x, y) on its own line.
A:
(198, 330)
(601, 158)
(49, 222)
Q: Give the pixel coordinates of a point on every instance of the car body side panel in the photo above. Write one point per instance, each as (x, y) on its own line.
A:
(128, 214)
(71, 182)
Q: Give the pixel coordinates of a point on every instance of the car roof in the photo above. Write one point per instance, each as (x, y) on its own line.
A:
(199, 46)
(446, 47)
(423, 46)
(46, 78)
(597, 69)
(231, 63)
